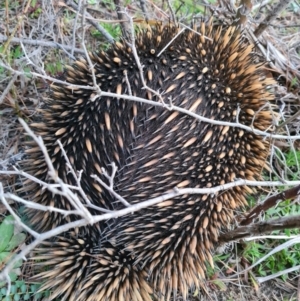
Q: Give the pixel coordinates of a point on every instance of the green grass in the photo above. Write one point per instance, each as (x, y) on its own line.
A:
(253, 251)
(20, 290)
(275, 263)
(286, 258)
(10, 246)
(113, 29)
(10, 55)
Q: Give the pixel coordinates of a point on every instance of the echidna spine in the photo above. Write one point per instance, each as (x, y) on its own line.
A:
(161, 250)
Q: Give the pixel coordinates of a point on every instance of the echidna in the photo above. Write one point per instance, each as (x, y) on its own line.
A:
(161, 250)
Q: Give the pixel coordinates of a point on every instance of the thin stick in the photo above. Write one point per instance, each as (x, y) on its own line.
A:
(281, 5)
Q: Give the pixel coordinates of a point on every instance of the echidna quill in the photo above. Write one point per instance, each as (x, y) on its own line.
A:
(161, 250)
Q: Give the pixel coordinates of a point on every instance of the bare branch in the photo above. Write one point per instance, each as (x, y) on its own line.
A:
(290, 222)
(90, 19)
(7, 89)
(110, 187)
(66, 48)
(125, 27)
(269, 203)
(144, 10)
(276, 222)
(281, 5)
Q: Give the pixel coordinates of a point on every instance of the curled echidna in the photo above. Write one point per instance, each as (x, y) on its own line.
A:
(161, 250)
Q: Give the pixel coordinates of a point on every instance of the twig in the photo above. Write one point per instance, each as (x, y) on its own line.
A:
(138, 62)
(281, 5)
(279, 248)
(290, 222)
(275, 275)
(125, 28)
(127, 82)
(75, 28)
(72, 198)
(110, 187)
(269, 203)
(12, 212)
(172, 12)
(36, 206)
(144, 10)
(95, 219)
(289, 120)
(41, 43)
(212, 190)
(77, 178)
(92, 70)
(90, 20)
(243, 12)
(7, 89)
(17, 26)
(158, 104)
(170, 42)
(198, 117)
